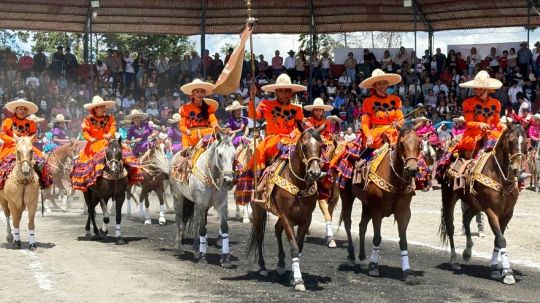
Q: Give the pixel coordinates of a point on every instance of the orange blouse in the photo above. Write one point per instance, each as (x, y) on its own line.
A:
(477, 112)
(15, 126)
(280, 118)
(381, 111)
(96, 128)
(191, 117)
(327, 132)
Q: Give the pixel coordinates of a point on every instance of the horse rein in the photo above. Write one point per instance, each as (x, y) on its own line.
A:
(405, 160)
(304, 160)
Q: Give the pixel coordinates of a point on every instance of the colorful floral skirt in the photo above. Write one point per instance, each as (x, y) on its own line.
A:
(8, 163)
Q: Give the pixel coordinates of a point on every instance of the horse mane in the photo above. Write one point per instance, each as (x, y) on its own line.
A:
(315, 134)
(405, 129)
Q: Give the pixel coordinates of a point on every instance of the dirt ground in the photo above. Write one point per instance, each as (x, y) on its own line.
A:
(68, 267)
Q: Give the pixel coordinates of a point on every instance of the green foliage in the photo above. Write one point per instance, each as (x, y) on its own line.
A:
(223, 50)
(149, 43)
(323, 43)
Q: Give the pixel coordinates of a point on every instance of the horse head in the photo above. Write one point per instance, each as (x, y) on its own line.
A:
(513, 145)
(223, 161)
(408, 148)
(25, 154)
(113, 157)
(308, 149)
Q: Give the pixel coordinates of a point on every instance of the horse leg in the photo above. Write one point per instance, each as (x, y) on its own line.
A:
(160, 192)
(469, 213)
(295, 253)
(128, 197)
(179, 218)
(203, 237)
(346, 211)
(224, 234)
(88, 219)
(498, 227)
(106, 218)
(446, 228)
(373, 268)
(257, 236)
(16, 224)
(403, 216)
(118, 227)
(364, 221)
(7, 214)
(323, 205)
(145, 202)
(32, 208)
(278, 230)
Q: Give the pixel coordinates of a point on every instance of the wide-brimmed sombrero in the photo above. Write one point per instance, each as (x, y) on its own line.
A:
(482, 80)
(60, 118)
(421, 118)
(98, 101)
(319, 103)
(459, 119)
(175, 118)
(334, 118)
(195, 84)
(212, 104)
(11, 106)
(506, 120)
(284, 82)
(378, 75)
(35, 118)
(235, 106)
(135, 113)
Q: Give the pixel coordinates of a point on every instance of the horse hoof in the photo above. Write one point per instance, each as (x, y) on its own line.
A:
(162, 221)
(9, 238)
(103, 232)
(299, 286)
(496, 274)
(200, 258)
(373, 269)
(281, 270)
(481, 234)
(330, 242)
(409, 277)
(226, 261)
(351, 260)
(48, 210)
(467, 254)
(509, 279)
(96, 238)
(32, 247)
(17, 244)
(455, 266)
(263, 273)
(148, 222)
(245, 220)
(120, 241)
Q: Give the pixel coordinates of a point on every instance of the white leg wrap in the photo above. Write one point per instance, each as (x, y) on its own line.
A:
(32, 238)
(64, 201)
(16, 234)
(147, 213)
(202, 244)
(105, 227)
(128, 206)
(405, 260)
(224, 243)
(162, 210)
(296, 269)
(375, 254)
(495, 256)
(329, 232)
(118, 230)
(141, 208)
(504, 259)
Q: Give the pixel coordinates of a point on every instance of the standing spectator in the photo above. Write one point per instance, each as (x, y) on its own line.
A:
(263, 66)
(461, 64)
(300, 65)
(524, 58)
(174, 66)
(326, 62)
(114, 65)
(512, 94)
(40, 61)
(129, 70)
(473, 60)
(162, 65)
(503, 62)
(314, 65)
(206, 62)
(536, 59)
(401, 57)
(185, 66)
(216, 67)
(58, 63)
(512, 61)
(195, 63)
(71, 65)
(440, 59)
(387, 64)
(277, 64)
(493, 60)
(25, 64)
(290, 65)
(370, 60)
(426, 60)
(229, 53)
(350, 67)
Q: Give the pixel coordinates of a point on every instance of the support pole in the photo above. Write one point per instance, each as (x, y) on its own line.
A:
(203, 36)
(416, 52)
(529, 5)
(251, 22)
(312, 49)
(430, 43)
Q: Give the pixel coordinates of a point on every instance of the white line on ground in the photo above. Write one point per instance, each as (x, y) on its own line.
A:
(42, 277)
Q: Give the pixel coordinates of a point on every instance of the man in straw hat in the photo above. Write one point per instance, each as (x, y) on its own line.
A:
(97, 129)
(138, 132)
(18, 126)
(281, 117)
(236, 122)
(197, 117)
(382, 116)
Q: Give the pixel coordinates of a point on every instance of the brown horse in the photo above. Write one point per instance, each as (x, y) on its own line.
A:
(497, 201)
(395, 172)
(302, 171)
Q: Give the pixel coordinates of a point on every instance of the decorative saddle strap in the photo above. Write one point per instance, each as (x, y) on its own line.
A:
(293, 189)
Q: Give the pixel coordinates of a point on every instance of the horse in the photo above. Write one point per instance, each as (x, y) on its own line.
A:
(112, 184)
(302, 170)
(493, 190)
(209, 182)
(389, 190)
(244, 152)
(59, 170)
(533, 160)
(21, 191)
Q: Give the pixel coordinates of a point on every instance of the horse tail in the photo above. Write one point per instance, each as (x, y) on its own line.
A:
(443, 233)
(258, 228)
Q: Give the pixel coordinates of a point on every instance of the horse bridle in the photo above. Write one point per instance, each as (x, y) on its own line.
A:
(120, 163)
(405, 160)
(304, 160)
(510, 158)
(221, 174)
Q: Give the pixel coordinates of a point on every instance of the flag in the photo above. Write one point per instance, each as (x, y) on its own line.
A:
(229, 79)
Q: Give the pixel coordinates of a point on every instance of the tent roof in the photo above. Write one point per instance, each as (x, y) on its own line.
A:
(275, 16)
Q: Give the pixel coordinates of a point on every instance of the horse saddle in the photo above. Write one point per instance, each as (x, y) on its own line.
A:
(184, 163)
(266, 184)
(363, 167)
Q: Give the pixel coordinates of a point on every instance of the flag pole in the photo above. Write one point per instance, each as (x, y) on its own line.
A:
(251, 22)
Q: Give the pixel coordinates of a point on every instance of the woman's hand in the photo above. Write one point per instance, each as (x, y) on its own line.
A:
(369, 141)
(188, 132)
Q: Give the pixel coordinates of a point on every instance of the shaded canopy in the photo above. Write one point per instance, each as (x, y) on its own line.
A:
(183, 17)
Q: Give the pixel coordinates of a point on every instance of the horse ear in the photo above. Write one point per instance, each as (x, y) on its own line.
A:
(120, 141)
(15, 137)
(32, 137)
(301, 126)
(219, 136)
(321, 128)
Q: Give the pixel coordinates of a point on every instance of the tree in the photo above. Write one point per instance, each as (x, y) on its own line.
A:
(323, 43)
(9, 38)
(223, 50)
(149, 43)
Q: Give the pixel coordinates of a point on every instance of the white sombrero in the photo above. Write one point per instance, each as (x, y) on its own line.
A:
(378, 75)
(421, 118)
(284, 82)
(536, 116)
(319, 103)
(11, 106)
(235, 106)
(334, 118)
(175, 118)
(60, 118)
(213, 104)
(195, 84)
(35, 118)
(135, 113)
(482, 80)
(98, 101)
(459, 119)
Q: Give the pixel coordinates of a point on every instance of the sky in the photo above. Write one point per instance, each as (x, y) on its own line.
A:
(266, 44)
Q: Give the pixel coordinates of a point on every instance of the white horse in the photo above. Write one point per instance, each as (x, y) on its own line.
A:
(209, 182)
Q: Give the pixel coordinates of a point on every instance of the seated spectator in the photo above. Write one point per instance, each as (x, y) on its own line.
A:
(440, 87)
(128, 101)
(152, 109)
(349, 136)
(345, 79)
(32, 80)
(431, 99)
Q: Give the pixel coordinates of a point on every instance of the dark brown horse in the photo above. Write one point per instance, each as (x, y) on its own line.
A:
(503, 166)
(302, 171)
(111, 185)
(396, 172)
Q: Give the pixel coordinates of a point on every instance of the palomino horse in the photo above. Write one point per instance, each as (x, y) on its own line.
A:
(21, 191)
(328, 205)
(59, 171)
(493, 190)
(389, 190)
(208, 185)
(244, 153)
(111, 185)
(533, 160)
(302, 171)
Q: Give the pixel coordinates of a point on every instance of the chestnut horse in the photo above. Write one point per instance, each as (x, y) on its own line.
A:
(302, 170)
(396, 171)
(503, 166)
